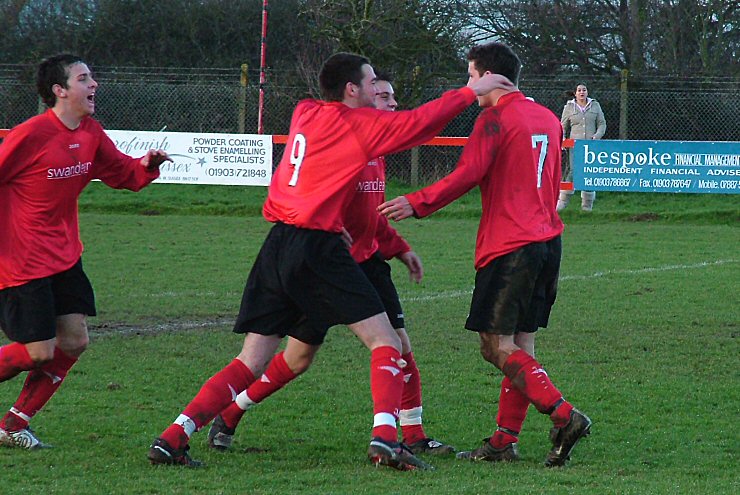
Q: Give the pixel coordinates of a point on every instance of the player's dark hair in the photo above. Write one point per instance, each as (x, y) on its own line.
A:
(337, 71)
(383, 75)
(54, 70)
(496, 58)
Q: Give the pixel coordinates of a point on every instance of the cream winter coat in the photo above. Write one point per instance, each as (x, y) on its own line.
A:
(590, 124)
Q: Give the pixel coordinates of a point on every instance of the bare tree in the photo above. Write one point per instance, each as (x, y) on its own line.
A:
(171, 33)
(414, 39)
(696, 37)
(605, 36)
(34, 29)
(683, 37)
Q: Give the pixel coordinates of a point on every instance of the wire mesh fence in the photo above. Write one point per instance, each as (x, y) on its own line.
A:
(224, 101)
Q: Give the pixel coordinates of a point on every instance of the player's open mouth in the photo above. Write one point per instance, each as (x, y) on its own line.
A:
(91, 98)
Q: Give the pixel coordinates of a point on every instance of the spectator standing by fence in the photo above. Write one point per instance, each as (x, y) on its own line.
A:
(582, 119)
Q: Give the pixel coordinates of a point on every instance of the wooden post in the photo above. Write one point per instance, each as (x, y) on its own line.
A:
(243, 99)
(414, 172)
(623, 100)
(263, 68)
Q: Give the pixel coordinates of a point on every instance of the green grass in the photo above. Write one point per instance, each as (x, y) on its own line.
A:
(643, 338)
(162, 199)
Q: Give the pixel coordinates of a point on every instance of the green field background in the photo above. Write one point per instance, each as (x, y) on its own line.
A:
(643, 338)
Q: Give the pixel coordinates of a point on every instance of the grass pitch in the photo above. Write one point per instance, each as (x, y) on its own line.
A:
(643, 338)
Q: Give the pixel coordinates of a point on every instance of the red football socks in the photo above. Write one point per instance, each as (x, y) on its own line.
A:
(561, 415)
(14, 358)
(410, 415)
(386, 387)
(40, 385)
(218, 392)
(277, 375)
(512, 411)
(531, 379)
(232, 415)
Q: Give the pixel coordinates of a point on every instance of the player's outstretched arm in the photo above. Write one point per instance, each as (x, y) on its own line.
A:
(154, 158)
(390, 132)
(396, 209)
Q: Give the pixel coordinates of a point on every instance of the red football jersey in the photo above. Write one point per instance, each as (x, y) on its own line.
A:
(328, 145)
(513, 154)
(371, 231)
(43, 168)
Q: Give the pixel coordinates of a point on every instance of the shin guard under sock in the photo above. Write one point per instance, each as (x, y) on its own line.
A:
(386, 387)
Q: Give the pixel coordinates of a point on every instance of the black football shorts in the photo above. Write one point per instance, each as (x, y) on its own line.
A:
(28, 312)
(378, 271)
(303, 282)
(515, 292)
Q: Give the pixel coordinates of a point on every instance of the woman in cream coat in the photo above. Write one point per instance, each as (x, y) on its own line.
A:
(582, 119)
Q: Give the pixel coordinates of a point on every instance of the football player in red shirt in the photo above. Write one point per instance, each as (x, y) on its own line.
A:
(304, 279)
(45, 296)
(513, 155)
(372, 241)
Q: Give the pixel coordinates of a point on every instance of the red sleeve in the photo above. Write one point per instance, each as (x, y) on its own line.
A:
(382, 132)
(390, 242)
(118, 170)
(477, 156)
(16, 152)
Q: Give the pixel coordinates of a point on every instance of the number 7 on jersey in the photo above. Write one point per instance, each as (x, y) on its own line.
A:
(540, 139)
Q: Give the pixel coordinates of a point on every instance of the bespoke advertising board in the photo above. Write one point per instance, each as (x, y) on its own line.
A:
(657, 166)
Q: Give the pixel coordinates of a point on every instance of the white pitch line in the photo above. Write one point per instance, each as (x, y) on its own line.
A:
(466, 292)
(451, 294)
(566, 278)
(194, 325)
(665, 268)
(209, 293)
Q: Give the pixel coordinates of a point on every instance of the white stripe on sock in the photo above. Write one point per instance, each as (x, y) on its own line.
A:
(384, 419)
(187, 424)
(18, 413)
(410, 416)
(243, 401)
